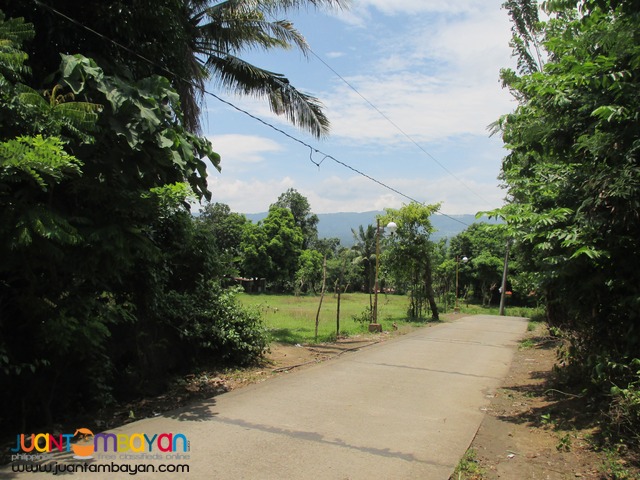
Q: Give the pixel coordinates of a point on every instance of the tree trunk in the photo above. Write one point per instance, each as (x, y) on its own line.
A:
(428, 285)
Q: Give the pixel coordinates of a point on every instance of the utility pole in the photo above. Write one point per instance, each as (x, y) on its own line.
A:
(374, 315)
(503, 289)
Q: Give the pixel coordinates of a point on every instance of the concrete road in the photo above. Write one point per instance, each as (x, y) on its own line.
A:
(404, 409)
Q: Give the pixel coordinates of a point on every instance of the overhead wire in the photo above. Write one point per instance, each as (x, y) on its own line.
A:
(395, 125)
(311, 148)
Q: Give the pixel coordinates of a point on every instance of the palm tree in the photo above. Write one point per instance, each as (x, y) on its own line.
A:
(365, 247)
(219, 31)
(189, 41)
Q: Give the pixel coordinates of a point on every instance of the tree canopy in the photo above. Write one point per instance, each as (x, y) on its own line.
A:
(300, 208)
(190, 42)
(410, 254)
(573, 178)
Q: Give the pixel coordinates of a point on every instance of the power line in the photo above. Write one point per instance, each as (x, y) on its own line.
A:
(396, 126)
(226, 102)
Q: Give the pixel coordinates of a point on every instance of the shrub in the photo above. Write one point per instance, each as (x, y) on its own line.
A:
(213, 326)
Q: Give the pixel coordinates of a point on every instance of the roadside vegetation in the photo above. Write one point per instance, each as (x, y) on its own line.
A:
(110, 283)
(572, 178)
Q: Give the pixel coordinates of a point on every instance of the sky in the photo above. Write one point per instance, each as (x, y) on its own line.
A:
(426, 80)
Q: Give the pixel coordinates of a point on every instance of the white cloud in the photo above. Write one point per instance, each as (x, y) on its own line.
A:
(250, 195)
(439, 80)
(360, 12)
(420, 106)
(425, 6)
(357, 193)
(474, 45)
(240, 149)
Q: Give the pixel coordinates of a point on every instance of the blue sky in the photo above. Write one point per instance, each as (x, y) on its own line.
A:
(431, 67)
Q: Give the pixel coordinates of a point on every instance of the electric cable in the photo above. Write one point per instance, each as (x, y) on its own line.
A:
(228, 103)
(397, 127)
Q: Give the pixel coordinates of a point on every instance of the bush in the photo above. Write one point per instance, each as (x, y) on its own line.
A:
(624, 408)
(364, 317)
(213, 326)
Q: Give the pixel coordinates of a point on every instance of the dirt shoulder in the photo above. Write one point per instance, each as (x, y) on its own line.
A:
(532, 431)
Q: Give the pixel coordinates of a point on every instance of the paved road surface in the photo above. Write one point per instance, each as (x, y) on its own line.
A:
(404, 409)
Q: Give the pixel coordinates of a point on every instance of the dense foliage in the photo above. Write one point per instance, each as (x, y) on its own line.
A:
(101, 256)
(188, 41)
(480, 277)
(573, 179)
(410, 256)
(108, 284)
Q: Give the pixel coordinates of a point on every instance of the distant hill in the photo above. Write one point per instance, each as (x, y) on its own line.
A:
(339, 225)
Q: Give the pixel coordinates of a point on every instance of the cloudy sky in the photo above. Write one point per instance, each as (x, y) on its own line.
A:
(430, 68)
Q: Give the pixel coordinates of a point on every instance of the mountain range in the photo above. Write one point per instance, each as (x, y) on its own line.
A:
(339, 225)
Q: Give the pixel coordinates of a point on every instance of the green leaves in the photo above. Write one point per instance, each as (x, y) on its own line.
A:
(611, 112)
(41, 160)
(409, 253)
(60, 113)
(573, 178)
(13, 33)
(95, 173)
(146, 115)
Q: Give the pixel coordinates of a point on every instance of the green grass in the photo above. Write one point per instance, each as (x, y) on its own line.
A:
(468, 468)
(526, 344)
(535, 314)
(473, 309)
(291, 319)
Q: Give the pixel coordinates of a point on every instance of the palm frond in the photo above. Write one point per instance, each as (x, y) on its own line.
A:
(236, 34)
(300, 109)
(277, 6)
(223, 30)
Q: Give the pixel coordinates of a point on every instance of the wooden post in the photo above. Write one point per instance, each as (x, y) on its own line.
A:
(324, 283)
(339, 285)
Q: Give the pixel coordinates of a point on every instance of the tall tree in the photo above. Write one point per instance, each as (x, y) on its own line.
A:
(189, 41)
(226, 229)
(409, 256)
(272, 249)
(300, 208)
(573, 179)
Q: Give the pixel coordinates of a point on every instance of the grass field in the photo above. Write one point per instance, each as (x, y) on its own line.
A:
(291, 319)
